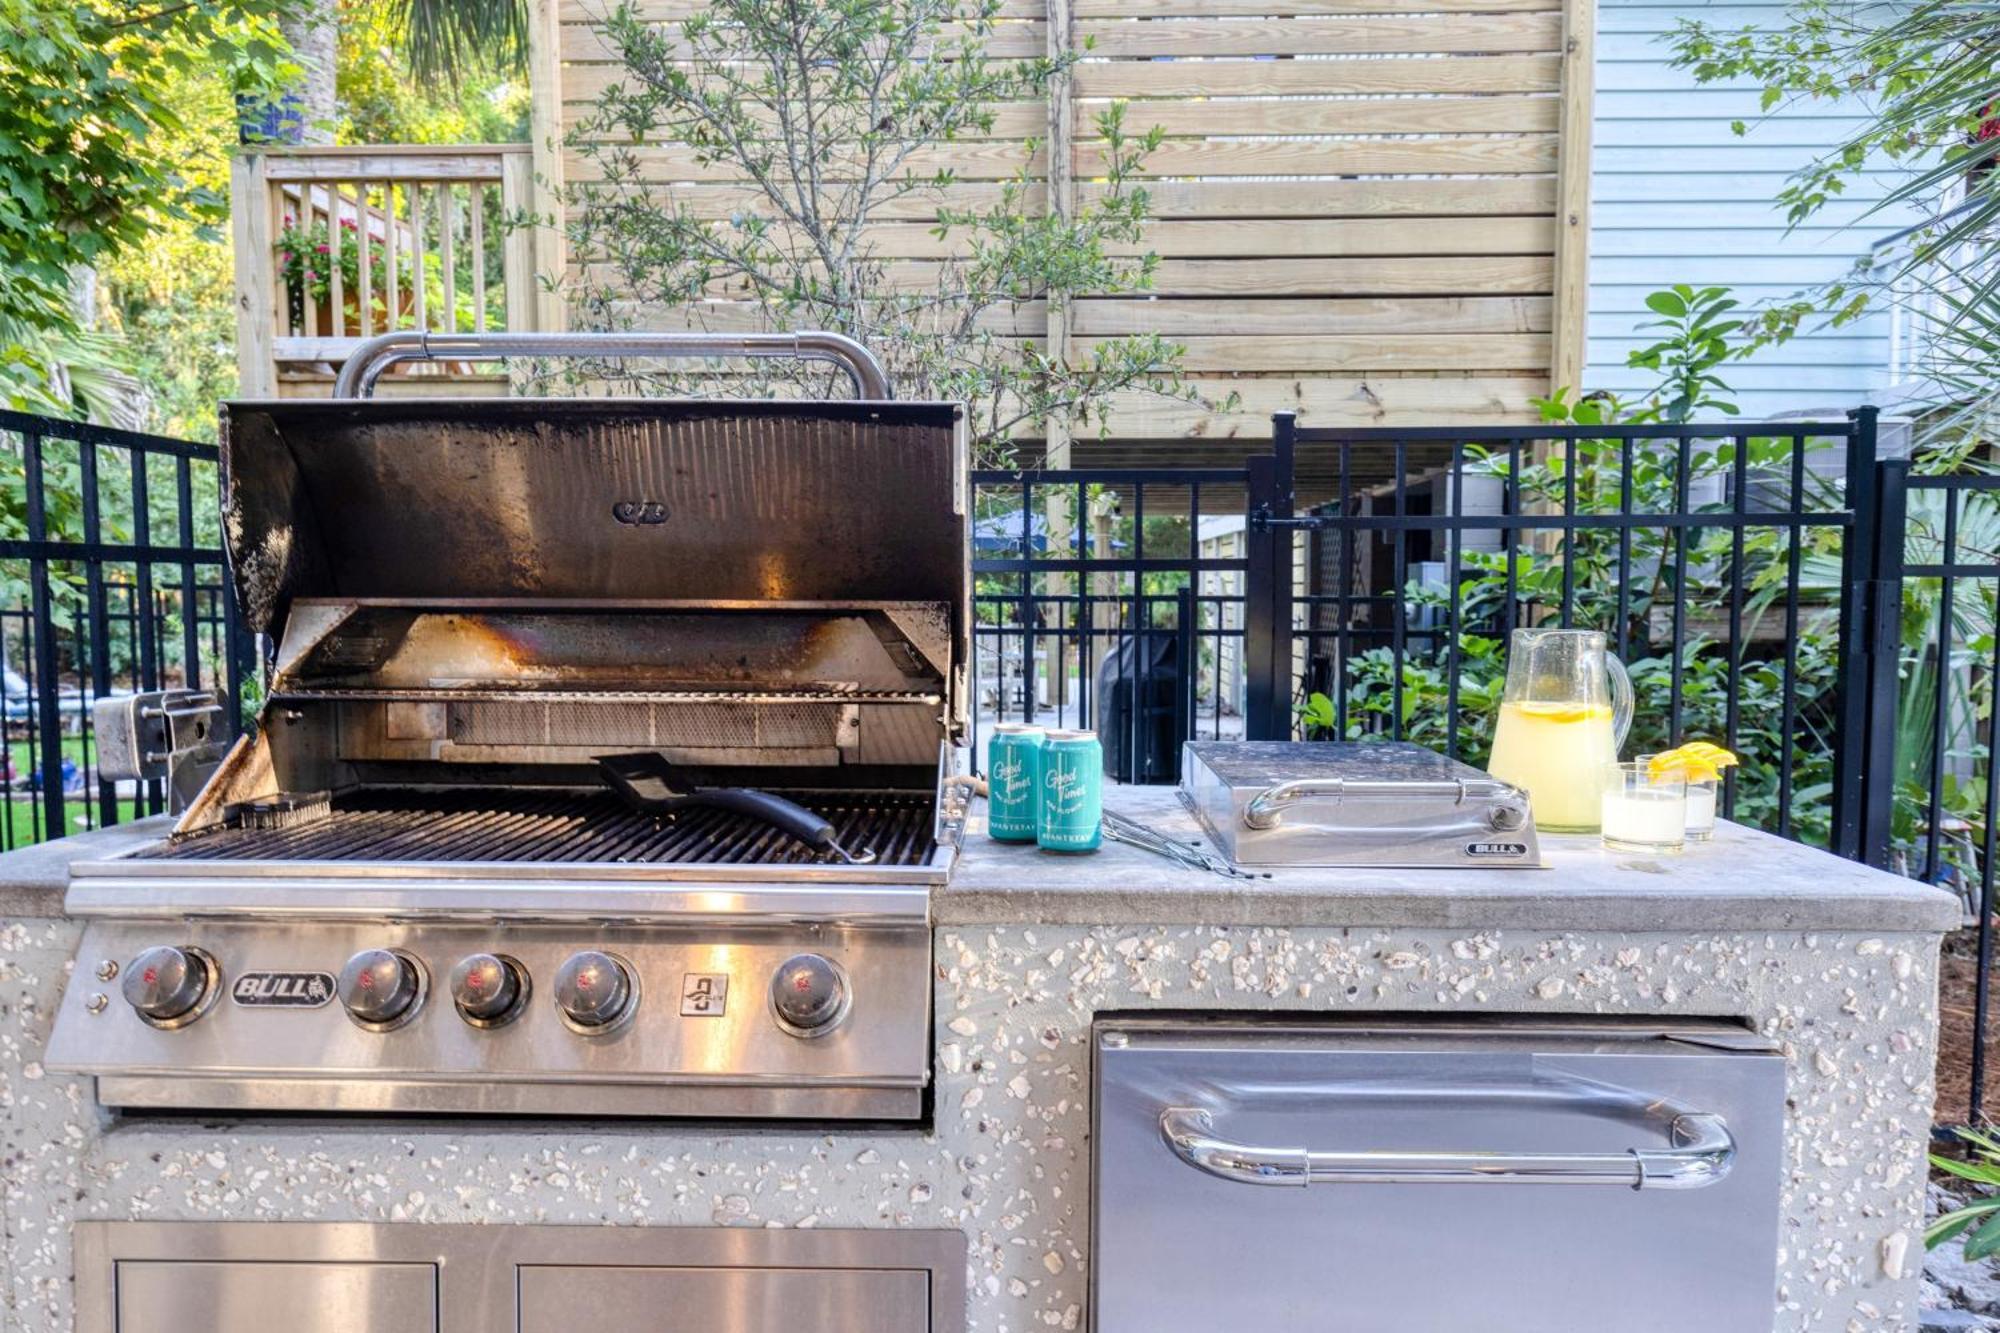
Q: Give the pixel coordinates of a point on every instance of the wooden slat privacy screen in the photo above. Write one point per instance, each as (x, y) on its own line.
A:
(1368, 211)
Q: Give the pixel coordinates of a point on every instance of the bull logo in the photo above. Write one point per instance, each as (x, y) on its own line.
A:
(639, 513)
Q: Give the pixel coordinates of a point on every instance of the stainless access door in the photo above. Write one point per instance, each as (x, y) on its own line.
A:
(1531, 1176)
(759, 1300)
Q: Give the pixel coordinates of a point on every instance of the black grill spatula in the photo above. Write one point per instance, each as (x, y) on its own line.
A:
(649, 783)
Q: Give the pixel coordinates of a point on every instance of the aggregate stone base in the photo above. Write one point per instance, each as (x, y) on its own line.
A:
(1007, 1160)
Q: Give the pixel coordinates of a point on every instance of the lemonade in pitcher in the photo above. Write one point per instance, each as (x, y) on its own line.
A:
(1565, 712)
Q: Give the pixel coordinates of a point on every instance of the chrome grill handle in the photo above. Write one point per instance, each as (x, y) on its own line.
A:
(366, 364)
(1700, 1152)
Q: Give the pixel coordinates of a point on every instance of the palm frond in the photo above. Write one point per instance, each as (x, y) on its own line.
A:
(444, 38)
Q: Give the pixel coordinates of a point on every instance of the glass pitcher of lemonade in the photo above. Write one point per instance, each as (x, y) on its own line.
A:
(1566, 710)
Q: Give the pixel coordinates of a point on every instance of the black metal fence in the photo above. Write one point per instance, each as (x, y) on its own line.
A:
(1774, 586)
(110, 581)
(1112, 599)
(1927, 733)
(1362, 583)
(1714, 557)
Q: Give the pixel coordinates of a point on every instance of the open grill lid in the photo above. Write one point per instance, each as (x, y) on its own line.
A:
(473, 502)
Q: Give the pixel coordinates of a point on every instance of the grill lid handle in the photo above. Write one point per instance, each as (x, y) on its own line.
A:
(1699, 1152)
(365, 365)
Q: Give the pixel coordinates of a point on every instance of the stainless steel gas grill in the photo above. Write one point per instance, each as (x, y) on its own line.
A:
(413, 888)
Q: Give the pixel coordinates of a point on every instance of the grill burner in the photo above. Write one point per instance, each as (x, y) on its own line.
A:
(564, 825)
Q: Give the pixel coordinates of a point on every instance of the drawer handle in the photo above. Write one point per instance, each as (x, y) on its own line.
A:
(1699, 1153)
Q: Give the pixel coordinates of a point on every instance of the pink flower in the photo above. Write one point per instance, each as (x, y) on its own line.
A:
(311, 276)
(285, 257)
(322, 249)
(288, 219)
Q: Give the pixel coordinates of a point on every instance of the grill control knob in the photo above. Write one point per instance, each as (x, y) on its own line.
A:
(809, 993)
(594, 990)
(486, 988)
(380, 986)
(165, 983)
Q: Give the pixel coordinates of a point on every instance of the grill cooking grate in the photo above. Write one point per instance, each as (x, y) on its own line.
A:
(565, 825)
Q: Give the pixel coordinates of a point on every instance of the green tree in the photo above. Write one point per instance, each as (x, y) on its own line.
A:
(87, 167)
(1926, 77)
(825, 112)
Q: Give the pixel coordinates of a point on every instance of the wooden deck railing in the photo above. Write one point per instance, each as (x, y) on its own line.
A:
(335, 245)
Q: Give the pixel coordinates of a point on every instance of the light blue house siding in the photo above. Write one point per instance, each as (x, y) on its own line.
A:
(1676, 196)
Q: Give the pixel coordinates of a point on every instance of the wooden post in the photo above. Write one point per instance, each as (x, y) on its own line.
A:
(544, 168)
(257, 282)
(1060, 199)
(518, 247)
(1571, 303)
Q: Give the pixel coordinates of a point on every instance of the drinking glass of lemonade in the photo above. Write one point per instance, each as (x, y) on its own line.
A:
(1643, 810)
(1566, 709)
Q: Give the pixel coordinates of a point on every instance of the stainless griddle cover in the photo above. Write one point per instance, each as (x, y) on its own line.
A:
(1370, 804)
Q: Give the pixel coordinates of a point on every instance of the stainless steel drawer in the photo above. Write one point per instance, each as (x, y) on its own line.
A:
(760, 1300)
(156, 1296)
(1519, 1176)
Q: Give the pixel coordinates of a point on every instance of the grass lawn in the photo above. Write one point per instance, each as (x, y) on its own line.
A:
(22, 803)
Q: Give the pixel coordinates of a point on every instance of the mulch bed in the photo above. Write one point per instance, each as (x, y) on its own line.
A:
(1958, 975)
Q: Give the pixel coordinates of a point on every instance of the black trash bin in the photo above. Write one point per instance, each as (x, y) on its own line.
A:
(1141, 675)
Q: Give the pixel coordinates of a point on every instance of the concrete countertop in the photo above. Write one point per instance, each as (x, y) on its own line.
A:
(1743, 880)
(33, 879)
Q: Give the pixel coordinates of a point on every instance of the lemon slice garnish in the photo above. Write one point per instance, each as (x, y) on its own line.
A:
(1697, 761)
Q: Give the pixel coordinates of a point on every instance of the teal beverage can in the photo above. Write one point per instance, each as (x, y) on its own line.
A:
(1014, 782)
(1072, 792)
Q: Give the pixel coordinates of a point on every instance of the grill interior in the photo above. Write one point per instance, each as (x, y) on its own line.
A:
(564, 825)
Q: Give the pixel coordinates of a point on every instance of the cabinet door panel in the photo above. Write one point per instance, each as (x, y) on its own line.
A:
(173, 1296)
(719, 1300)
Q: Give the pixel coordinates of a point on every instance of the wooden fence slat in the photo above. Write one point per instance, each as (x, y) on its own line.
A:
(1254, 239)
(478, 193)
(1293, 116)
(392, 278)
(1177, 318)
(1307, 78)
(721, 200)
(1525, 353)
(1378, 400)
(972, 161)
(419, 296)
(1158, 9)
(1026, 319)
(1526, 274)
(364, 230)
(589, 43)
(1463, 155)
(1348, 198)
(447, 248)
(1486, 34)
(427, 163)
(336, 284)
(590, 11)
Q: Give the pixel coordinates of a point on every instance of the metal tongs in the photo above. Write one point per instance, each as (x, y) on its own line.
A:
(1134, 834)
(648, 783)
